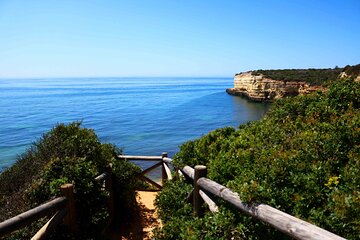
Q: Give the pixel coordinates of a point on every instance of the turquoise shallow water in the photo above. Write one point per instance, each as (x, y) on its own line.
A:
(144, 116)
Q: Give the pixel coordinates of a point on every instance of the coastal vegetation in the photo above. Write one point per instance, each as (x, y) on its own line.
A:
(311, 76)
(302, 158)
(68, 154)
(352, 70)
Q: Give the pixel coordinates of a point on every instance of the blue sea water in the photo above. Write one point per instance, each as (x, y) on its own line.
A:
(144, 116)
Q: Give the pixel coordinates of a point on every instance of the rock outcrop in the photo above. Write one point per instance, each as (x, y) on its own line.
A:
(344, 75)
(259, 88)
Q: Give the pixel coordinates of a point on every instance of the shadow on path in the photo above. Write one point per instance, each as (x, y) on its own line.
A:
(142, 223)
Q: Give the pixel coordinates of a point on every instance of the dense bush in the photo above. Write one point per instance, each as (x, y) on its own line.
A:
(312, 76)
(68, 154)
(302, 158)
(178, 223)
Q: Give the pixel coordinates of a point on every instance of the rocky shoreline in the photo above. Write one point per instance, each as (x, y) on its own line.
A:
(262, 89)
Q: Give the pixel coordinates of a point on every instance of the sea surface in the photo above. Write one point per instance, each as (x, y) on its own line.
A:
(144, 116)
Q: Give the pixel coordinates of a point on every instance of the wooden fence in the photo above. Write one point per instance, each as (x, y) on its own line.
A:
(64, 208)
(160, 161)
(205, 189)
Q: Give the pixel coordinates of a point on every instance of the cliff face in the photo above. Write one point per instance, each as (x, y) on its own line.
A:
(260, 88)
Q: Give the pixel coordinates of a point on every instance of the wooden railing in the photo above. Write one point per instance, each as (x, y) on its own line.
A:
(161, 161)
(204, 189)
(64, 207)
(32, 215)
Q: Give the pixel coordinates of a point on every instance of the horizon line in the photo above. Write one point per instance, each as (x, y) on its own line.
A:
(90, 77)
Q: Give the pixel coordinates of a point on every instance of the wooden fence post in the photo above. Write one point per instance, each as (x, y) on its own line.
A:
(163, 172)
(110, 188)
(200, 171)
(70, 219)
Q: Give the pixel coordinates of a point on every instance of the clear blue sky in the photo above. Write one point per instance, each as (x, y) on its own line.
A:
(46, 38)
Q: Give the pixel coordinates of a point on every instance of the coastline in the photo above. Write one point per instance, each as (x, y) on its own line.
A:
(239, 93)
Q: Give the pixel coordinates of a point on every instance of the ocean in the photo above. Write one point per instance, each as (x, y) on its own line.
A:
(143, 116)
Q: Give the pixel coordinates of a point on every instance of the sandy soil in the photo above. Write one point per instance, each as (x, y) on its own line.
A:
(147, 198)
(148, 213)
(142, 223)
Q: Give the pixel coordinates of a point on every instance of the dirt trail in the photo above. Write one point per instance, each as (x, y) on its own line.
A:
(148, 214)
(140, 225)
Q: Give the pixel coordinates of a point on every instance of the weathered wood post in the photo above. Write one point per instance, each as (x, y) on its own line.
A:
(163, 171)
(200, 171)
(70, 219)
(109, 186)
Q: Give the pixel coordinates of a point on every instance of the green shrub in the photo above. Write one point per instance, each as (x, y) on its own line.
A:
(302, 158)
(176, 216)
(69, 154)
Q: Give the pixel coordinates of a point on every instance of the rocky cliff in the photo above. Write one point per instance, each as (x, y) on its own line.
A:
(260, 88)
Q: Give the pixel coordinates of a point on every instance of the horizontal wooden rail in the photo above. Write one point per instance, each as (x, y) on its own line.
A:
(142, 158)
(189, 171)
(284, 222)
(167, 160)
(66, 212)
(27, 217)
(291, 226)
(163, 160)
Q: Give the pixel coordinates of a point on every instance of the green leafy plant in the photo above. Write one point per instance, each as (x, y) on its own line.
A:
(302, 158)
(179, 223)
(69, 154)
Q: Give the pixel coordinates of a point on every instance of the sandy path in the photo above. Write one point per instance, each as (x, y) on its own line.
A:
(143, 222)
(147, 198)
(148, 212)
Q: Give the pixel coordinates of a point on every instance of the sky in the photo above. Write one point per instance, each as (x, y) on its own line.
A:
(194, 38)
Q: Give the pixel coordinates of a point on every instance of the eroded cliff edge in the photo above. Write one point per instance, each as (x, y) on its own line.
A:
(260, 88)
